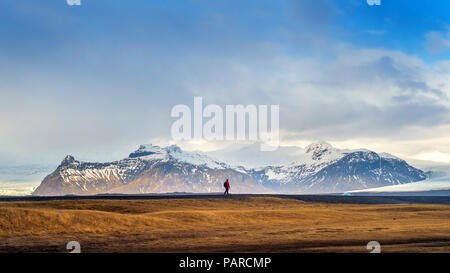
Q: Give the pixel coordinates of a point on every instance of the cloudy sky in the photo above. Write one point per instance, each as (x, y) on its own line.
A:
(97, 80)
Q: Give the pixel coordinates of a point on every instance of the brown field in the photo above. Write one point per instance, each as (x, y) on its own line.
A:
(257, 224)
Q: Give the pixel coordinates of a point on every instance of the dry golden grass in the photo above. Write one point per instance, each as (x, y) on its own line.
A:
(257, 224)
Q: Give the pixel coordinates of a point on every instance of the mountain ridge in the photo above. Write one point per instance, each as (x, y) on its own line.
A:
(155, 169)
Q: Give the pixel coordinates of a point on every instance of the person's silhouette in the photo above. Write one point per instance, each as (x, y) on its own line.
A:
(227, 187)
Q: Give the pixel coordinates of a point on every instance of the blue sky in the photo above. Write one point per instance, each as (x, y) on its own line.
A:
(35, 29)
(98, 79)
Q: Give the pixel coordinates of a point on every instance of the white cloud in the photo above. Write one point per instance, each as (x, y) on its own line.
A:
(433, 156)
(437, 42)
(378, 98)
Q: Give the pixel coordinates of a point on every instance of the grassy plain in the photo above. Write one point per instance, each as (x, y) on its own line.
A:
(251, 224)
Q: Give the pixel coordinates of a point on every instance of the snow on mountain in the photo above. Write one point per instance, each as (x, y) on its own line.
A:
(360, 170)
(320, 152)
(312, 159)
(323, 168)
(251, 157)
(318, 168)
(437, 184)
(152, 152)
(149, 169)
(389, 156)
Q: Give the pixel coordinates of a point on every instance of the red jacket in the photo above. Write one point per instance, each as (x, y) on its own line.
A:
(227, 184)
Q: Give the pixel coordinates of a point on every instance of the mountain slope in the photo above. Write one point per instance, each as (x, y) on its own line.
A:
(150, 169)
(75, 177)
(321, 168)
(360, 170)
(329, 170)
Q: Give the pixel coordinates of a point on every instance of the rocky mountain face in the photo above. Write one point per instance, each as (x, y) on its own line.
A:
(152, 169)
(330, 170)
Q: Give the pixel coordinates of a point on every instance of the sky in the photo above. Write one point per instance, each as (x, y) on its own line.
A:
(97, 80)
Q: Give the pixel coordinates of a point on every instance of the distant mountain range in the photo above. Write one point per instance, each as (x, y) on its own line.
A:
(320, 168)
(21, 180)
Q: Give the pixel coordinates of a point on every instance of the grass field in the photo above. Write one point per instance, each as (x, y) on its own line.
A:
(256, 224)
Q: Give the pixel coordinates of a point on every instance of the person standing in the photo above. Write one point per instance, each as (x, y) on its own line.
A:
(227, 187)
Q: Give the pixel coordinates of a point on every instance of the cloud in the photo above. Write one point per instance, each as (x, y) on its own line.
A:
(434, 156)
(437, 42)
(361, 93)
(355, 95)
(76, 88)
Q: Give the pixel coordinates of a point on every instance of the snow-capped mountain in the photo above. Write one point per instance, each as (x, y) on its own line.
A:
(319, 168)
(149, 169)
(151, 152)
(325, 169)
(315, 157)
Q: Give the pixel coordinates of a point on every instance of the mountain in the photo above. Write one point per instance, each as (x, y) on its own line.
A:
(325, 169)
(319, 168)
(150, 169)
(21, 180)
